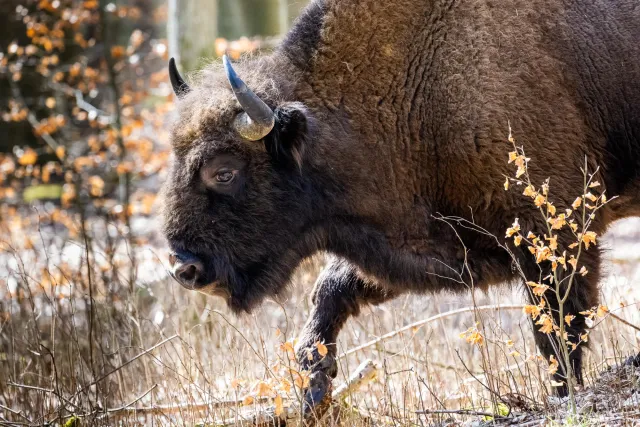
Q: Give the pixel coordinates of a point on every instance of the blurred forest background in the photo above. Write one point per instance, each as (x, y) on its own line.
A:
(85, 105)
(92, 330)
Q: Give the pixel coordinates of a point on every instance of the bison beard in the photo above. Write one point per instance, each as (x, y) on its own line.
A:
(373, 118)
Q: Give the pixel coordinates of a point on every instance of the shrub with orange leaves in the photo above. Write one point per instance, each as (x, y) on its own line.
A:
(96, 132)
(473, 336)
(545, 246)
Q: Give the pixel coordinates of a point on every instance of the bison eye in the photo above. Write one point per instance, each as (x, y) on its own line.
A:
(224, 176)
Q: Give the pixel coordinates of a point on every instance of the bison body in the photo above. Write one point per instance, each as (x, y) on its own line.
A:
(385, 116)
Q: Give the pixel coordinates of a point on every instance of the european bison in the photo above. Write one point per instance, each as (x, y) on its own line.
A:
(373, 117)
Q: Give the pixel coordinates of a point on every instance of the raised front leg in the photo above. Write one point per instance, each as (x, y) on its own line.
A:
(339, 292)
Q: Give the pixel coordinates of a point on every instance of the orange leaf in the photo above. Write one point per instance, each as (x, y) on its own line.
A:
(29, 157)
(576, 203)
(322, 349)
(568, 318)
(279, 407)
(117, 52)
(286, 346)
(602, 311)
(588, 238)
(264, 389)
(553, 365)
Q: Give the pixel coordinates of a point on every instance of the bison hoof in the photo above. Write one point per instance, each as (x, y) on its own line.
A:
(562, 391)
(317, 396)
(322, 369)
(633, 361)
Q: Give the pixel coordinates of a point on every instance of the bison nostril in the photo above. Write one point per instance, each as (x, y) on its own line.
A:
(187, 269)
(188, 273)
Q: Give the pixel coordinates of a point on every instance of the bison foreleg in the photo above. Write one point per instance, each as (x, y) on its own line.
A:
(339, 293)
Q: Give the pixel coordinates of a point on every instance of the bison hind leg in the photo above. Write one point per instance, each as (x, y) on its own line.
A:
(583, 295)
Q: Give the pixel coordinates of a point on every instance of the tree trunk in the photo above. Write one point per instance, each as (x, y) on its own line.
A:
(194, 26)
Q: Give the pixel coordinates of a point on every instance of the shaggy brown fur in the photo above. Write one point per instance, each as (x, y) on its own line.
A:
(389, 113)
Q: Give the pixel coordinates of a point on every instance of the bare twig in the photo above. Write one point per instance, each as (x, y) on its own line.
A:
(363, 374)
(101, 115)
(621, 320)
(149, 350)
(33, 121)
(489, 389)
(181, 407)
(45, 390)
(460, 412)
(429, 320)
(6, 423)
(122, 410)
(136, 400)
(14, 412)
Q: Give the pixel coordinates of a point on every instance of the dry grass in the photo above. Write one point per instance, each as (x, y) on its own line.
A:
(77, 340)
(93, 332)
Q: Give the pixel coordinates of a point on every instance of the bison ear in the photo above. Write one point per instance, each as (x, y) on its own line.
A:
(286, 142)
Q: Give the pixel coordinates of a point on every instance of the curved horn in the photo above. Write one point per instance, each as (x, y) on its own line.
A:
(258, 119)
(180, 87)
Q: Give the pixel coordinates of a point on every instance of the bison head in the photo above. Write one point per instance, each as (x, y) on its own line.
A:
(239, 206)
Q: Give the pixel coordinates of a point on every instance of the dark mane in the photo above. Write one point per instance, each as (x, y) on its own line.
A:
(301, 42)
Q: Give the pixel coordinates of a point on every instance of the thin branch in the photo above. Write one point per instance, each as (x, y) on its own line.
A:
(107, 119)
(621, 320)
(492, 392)
(5, 422)
(461, 412)
(136, 400)
(31, 118)
(149, 350)
(181, 407)
(14, 412)
(429, 320)
(362, 375)
(122, 410)
(45, 390)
